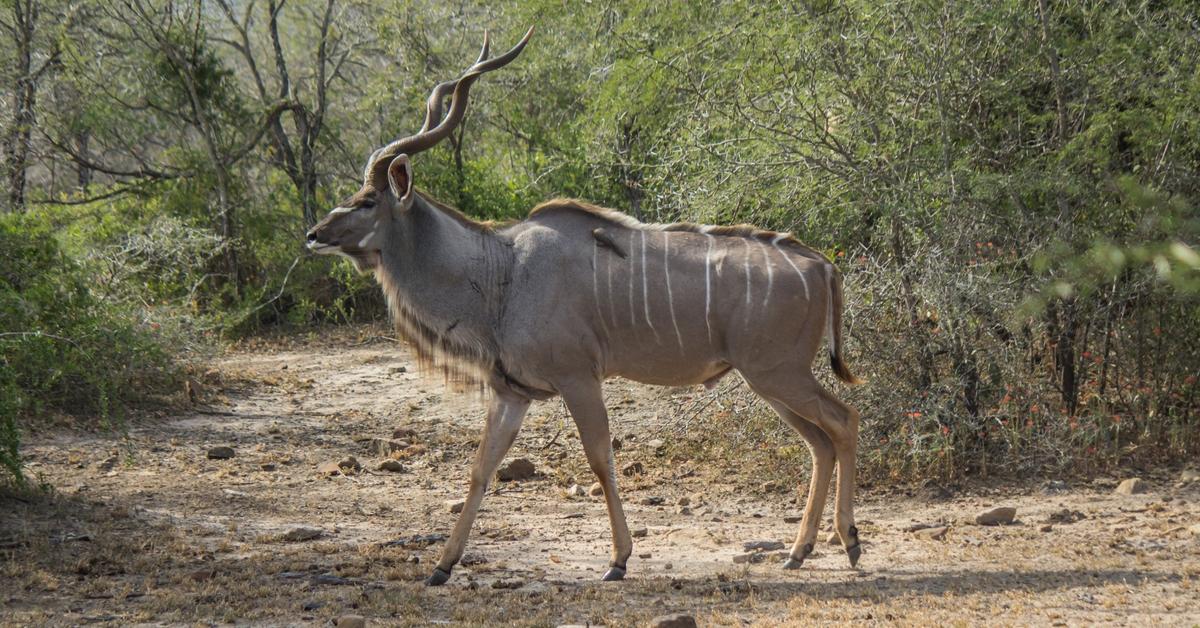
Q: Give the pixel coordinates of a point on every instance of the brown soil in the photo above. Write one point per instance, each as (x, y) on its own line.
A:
(144, 528)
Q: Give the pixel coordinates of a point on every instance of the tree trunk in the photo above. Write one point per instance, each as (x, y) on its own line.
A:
(18, 139)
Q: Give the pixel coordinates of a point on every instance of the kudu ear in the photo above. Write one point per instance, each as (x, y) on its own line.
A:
(400, 180)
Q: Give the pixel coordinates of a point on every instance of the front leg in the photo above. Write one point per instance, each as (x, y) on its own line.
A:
(585, 401)
(505, 414)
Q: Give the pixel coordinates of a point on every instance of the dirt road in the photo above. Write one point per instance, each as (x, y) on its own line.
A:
(146, 528)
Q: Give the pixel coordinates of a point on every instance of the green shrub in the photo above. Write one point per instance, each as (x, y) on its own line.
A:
(63, 351)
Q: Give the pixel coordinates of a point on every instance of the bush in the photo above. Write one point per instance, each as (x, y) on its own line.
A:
(63, 351)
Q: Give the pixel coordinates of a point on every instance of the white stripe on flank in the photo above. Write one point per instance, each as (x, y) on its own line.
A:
(612, 303)
(746, 268)
(596, 286)
(670, 297)
(341, 210)
(787, 259)
(646, 292)
(632, 261)
(708, 285)
(770, 272)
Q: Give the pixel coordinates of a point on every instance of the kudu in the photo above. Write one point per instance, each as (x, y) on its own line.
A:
(574, 294)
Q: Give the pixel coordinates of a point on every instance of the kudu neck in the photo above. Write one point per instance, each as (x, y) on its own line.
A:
(445, 279)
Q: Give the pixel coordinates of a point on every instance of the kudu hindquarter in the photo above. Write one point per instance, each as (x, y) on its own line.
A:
(574, 294)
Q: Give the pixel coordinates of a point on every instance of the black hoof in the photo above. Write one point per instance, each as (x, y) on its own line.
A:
(854, 552)
(614, 573)
(437, 578)
(795, 562)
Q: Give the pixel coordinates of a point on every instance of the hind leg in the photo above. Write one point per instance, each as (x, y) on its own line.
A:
(800, 392)
(818, 490)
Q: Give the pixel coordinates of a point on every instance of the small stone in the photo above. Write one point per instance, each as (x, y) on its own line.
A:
(1003, 515)
(107, 464)
(652, 501)
(616, 444)
(404, 433)
(576, 491)
(516, 470)
(684, 501)
(632, 469)
(1187, 476)
(922, 526)
(329, 467)
(301, 533)
(683, 510)
(220, 453)
(596, 490)
(349, 464)
(1052, 487)
(455, 506)
(351, 621)
(770, 487)
(657, 445)
(1132, 486)
(398, 369)
(391, 466)
(312, 605)
(765, 546)
(1046, 528)
(267, 466)
(668, 566)
(508, 583)
(677, 620)
(793, 519)
(933, 534)
(385, 446)
(638, 533)
(645, 555)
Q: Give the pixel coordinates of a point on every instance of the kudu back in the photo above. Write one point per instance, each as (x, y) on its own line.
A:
(574, 294)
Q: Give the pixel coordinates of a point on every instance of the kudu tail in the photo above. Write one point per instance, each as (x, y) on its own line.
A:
(834, 321)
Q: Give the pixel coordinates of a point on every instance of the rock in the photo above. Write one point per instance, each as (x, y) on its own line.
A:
(516, 470)
(107, 464)
(793, 519)
(933, 534)
(638, 533)
(222, 452)
(301, 533)
(652, 501)
(576, 491)
(391, 466)
(312, 605)
(1132, 486)
(385, 446)
(684, 501)
(329, 467)
(349, 464)
(616, 443)
(1187, 476)
(1046, 528)
(268, 466)
(456, 505)
(765, 546)
(1003, 515)
(596, 490)
(398, 369)
(1052, 487)
(657, 445)
(677, 620)
(350, 621)
(683, 510)
(403, 433)
(1066, 515)
(632, 469)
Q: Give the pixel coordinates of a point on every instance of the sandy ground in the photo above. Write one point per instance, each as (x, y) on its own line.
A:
(144, 528)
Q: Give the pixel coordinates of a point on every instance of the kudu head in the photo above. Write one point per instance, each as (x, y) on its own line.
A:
(357, 227)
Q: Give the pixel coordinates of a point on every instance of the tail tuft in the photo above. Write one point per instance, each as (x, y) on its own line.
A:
(842, 371)
(834, 321)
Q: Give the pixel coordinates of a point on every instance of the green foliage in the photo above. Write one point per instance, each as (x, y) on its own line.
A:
(62, 350)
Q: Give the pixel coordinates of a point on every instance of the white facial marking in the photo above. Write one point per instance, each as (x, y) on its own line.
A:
(770, 272)
(646, 292)
(670, 297)
(708, 285)
(367, 238)
(341, 210)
